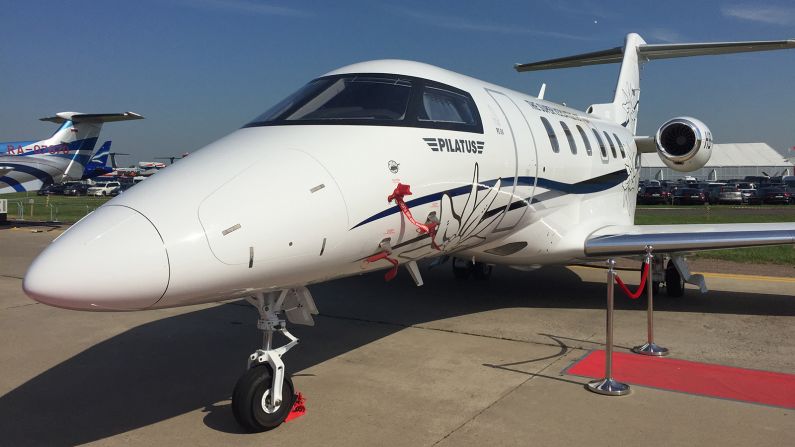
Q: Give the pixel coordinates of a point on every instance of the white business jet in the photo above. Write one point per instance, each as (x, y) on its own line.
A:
(378, 165)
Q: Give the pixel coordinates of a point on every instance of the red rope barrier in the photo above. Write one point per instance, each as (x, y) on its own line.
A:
(638, 292)
(397, 195)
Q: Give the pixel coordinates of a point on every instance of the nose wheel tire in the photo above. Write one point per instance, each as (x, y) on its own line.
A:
(251, 402)
(674, 284)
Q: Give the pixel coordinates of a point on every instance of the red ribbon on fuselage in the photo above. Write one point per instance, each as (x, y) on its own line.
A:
(430, 228)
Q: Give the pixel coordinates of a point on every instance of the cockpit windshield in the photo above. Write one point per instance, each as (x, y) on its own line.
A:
(376, 99)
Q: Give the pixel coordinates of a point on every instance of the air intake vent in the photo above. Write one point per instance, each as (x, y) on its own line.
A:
(678, 139)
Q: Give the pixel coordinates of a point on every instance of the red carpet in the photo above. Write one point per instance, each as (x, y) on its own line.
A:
(746, 385)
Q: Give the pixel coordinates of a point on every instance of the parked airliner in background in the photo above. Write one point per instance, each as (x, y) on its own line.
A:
(342, 168)
(29, 165)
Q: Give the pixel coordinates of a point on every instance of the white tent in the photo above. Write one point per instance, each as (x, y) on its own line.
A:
(735, 160)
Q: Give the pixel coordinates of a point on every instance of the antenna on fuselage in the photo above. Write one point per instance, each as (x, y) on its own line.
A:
(542, 91)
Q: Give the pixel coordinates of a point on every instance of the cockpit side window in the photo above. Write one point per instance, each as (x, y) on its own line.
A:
(376, 99)
(446, 107)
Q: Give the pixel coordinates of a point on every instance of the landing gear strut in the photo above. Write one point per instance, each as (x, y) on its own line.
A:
(264, 395)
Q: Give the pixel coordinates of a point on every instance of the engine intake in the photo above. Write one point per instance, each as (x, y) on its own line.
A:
(684, 144)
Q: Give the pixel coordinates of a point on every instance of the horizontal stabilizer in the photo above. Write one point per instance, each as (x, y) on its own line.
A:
(657, 51)
(92, 117)
(621, 240)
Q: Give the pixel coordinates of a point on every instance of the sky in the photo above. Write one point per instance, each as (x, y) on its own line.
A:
(200, 69)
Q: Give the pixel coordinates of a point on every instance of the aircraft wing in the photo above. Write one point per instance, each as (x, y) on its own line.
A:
(623, 240)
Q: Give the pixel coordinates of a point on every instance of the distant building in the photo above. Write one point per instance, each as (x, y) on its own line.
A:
(728, 161)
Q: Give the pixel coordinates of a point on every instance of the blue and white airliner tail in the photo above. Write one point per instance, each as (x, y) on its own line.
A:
(30, 165)
(98, 165)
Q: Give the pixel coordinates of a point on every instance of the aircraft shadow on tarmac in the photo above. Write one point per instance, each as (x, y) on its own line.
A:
(175, 365)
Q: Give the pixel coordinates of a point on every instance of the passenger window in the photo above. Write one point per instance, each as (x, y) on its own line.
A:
(601, 143)
(553, 139)
(620, 146)
(612, 147)
(585, 140)
(569, 137)
(445, 106)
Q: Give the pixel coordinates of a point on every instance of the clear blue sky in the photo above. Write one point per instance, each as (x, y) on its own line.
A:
(199, 69)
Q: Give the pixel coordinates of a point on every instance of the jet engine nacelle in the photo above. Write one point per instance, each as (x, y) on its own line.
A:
(684, 144)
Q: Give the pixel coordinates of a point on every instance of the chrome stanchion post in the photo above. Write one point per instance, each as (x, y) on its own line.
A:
(650, 348)
(607, 385)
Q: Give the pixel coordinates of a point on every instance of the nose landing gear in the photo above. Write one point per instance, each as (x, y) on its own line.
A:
(264, 396)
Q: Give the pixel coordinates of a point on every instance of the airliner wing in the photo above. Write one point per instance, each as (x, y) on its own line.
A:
(622, 240)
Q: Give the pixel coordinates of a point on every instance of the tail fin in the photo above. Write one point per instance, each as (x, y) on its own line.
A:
(100, 158)
(78, 134)
(624, 108)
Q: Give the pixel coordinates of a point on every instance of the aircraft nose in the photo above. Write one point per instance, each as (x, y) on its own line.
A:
(114, 259)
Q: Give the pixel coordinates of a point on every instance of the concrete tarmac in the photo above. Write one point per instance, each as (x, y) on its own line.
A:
(452, 363)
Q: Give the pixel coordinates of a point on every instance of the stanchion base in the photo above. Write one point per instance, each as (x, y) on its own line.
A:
(608, 387)
(650, 349)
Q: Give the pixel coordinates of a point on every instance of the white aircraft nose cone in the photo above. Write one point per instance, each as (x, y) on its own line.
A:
(114, 259)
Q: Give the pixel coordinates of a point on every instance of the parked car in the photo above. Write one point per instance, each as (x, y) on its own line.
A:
(44, 190)
(753, 198)
(668, 191)
(121, 189)
(745, 189)
(711, 191)
(651, 195)
(103, 188)
(75, 189)
(55, 188)
(774, 194)
(687, 196)
(730, 195)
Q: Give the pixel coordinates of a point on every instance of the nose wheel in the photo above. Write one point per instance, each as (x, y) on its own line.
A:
(264, 396)
(253, 404)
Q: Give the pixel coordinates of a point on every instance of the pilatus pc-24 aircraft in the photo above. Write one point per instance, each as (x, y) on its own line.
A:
(381, 164)
(29, 165)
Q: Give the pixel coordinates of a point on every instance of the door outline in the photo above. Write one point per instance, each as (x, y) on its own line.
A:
(533, 156)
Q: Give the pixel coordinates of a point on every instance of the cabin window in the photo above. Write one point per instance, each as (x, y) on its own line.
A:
(553, 139)
(601, 143)
(612, 147)
(569, 137)
(585, 140)
(620, 146)
(445, 106)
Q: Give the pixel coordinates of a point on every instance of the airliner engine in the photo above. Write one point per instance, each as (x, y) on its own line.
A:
(684, 144)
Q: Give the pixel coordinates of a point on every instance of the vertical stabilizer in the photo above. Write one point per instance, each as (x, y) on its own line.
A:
(624, 108)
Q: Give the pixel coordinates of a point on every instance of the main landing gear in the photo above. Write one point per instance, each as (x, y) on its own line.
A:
(264, 395)
(674, 275)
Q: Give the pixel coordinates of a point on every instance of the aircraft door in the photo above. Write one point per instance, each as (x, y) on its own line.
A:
(522, 188)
